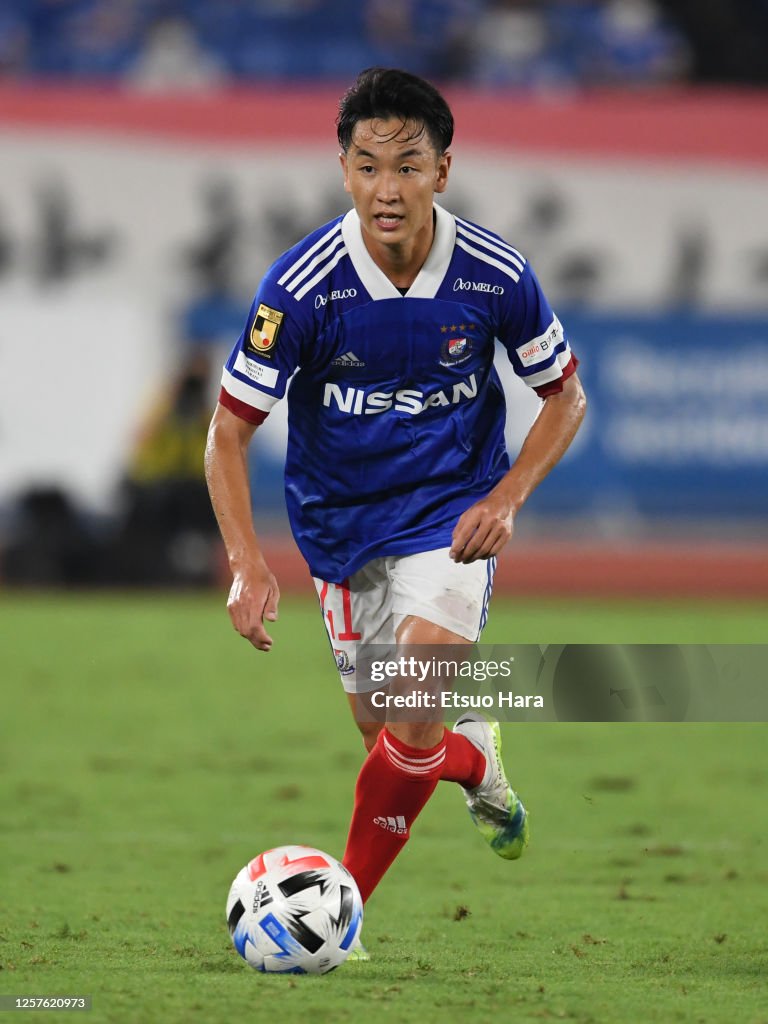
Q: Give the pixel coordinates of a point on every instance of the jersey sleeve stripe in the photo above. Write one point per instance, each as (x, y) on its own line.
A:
(324, 254)
(518, 263)
(246, 392)
(542, 374)
(487, 259)
(240, 409)
(565, 356)
(474, 229)
(313, 249)
(555, 386)
(548, 360)
(321, 273)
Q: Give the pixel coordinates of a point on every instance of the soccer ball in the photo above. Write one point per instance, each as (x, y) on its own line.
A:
(294, 910)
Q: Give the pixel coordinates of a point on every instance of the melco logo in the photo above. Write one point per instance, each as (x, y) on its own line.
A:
(459, 285)
(347, 293)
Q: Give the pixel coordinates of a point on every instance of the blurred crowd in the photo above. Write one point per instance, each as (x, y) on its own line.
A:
(534, 44)
(161, 530)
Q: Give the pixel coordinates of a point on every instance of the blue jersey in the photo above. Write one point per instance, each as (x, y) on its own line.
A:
(396, 414)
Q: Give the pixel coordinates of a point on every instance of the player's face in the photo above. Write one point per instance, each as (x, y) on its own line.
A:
(392, 172)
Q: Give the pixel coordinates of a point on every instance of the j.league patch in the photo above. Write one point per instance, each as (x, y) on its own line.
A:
(266, 324)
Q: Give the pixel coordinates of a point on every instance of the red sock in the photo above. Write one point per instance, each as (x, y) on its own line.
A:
(463, 761)
(394, 784)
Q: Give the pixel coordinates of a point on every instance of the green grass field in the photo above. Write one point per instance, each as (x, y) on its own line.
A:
(146, 753)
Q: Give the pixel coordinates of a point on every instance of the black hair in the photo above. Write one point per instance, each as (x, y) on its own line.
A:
(389, 92)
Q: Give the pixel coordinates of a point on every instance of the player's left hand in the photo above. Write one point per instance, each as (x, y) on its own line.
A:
(483, 530)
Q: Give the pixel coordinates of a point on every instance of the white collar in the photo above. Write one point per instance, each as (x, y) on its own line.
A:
(429, 278)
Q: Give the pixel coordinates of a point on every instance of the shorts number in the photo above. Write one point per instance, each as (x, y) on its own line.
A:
(346, 604)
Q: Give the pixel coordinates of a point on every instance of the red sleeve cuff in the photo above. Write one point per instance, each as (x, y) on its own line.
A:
(241, 409)
(554, 387)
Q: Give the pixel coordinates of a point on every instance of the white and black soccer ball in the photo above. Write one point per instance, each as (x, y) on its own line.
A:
(294, 910)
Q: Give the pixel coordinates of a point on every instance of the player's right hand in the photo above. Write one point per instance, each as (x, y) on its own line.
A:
(253, 597)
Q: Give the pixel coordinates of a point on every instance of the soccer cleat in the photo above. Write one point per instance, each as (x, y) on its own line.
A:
(358, 954)
(494, 806)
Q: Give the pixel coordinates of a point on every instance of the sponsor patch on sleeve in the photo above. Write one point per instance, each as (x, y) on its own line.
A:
(265, 328)
(258, 373)
(540, 349)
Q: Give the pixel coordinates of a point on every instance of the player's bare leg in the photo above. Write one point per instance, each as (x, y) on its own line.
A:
(369, 730)
(415, 632)
(412, 631)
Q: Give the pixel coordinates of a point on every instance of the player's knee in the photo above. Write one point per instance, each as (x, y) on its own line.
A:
(370, 733)
(419, 734)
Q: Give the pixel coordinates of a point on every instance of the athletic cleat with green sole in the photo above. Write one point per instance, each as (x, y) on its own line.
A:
(358, 954)
(494, 806)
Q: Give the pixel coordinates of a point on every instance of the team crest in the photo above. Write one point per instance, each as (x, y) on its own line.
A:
(343, 664)
(455, 351)
(266, 324)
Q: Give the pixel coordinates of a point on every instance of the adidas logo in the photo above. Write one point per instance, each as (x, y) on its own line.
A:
(397, 824)
(348, 359)
(261, 897)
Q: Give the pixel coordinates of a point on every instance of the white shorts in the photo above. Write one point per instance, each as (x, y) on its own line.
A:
(369, 607)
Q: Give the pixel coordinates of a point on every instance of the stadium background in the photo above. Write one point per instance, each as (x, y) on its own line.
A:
(156, 157)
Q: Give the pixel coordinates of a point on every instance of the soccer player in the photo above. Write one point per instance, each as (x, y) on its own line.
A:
(398, 483)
